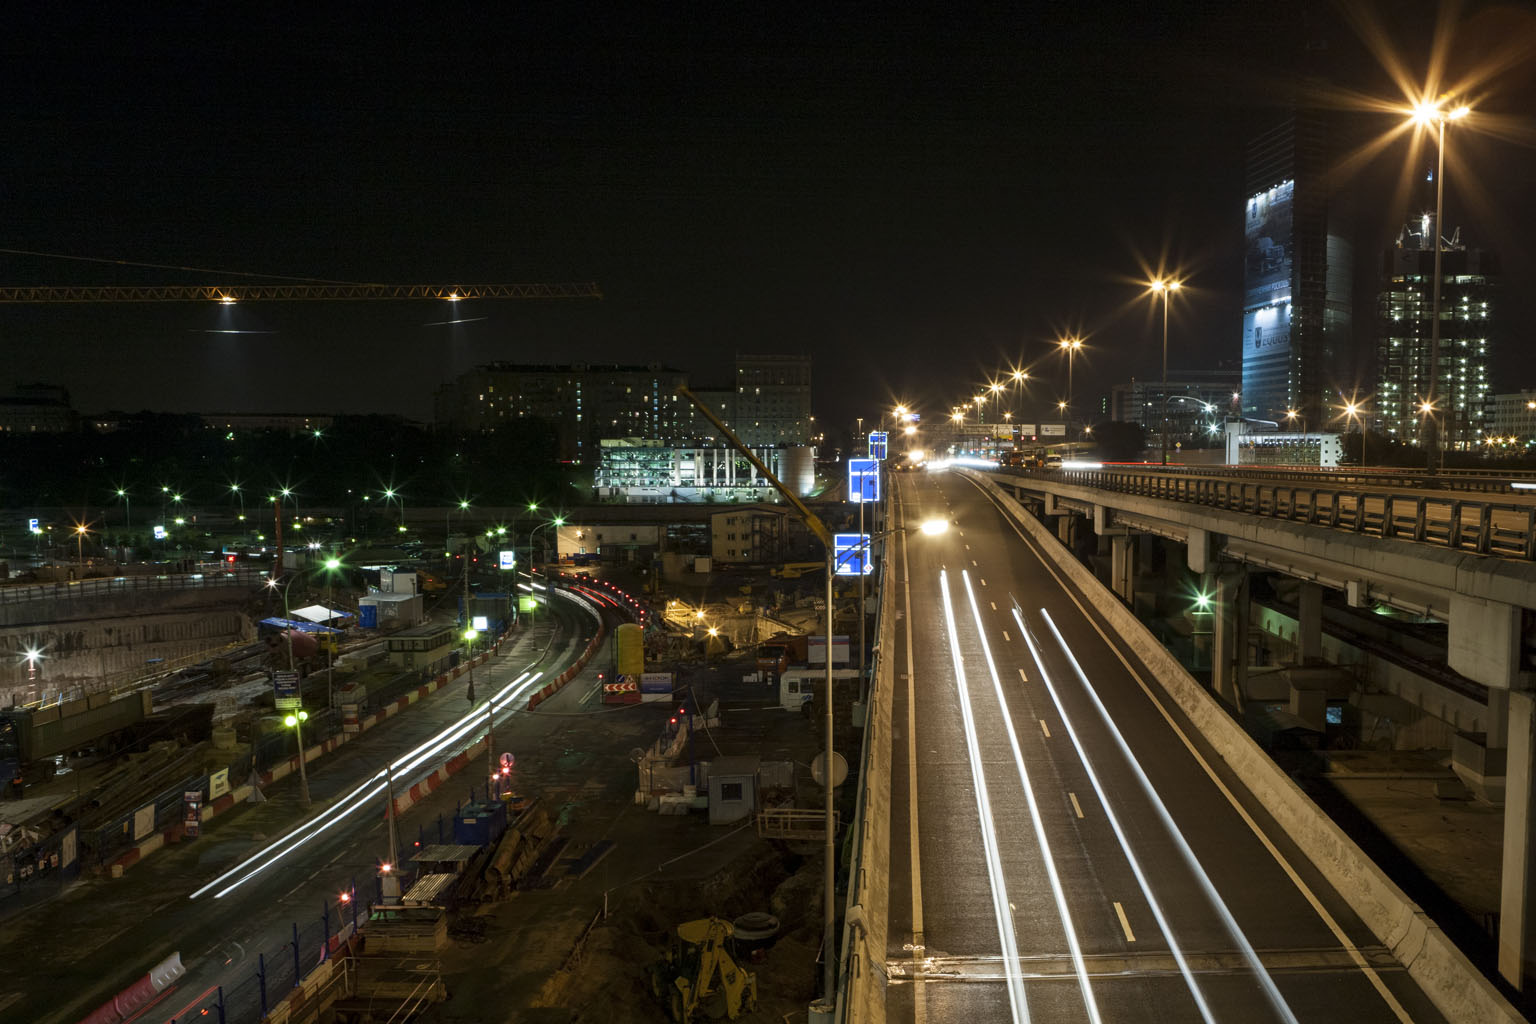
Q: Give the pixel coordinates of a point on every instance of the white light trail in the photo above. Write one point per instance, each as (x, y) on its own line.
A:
(363, 793)
(1001, 908)
(1114, 823)
(1057, 891)
(1277, 1001)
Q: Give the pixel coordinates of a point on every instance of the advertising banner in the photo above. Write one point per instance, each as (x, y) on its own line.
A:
(1053, 430)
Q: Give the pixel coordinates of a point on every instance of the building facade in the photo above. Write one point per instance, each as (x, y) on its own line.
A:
(1197, 400)
(649, 470)
(582, 402)
(773, 400)
(1513, 415)
(1297, 277)
(1458, 386)
(37, 409)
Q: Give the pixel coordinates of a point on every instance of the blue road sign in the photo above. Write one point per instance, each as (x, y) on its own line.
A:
(877, 444)
(863, 480)
(850, 553)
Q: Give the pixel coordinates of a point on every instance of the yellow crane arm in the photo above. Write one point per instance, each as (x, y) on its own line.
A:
(812, 521)
(294, 292)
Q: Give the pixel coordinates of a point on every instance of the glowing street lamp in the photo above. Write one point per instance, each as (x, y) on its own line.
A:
(235, 489)
(127, 508)
(80, 532)
(1070, 346)
(1165, 287)
(295, 721)
(1425, 114)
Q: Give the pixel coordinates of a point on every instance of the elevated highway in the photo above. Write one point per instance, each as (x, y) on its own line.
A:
(1073, 837)
(1452, 548)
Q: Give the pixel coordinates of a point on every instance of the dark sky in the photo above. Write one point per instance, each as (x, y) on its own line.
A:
(915, 195)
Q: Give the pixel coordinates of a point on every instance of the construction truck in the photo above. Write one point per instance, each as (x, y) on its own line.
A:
(699, 972)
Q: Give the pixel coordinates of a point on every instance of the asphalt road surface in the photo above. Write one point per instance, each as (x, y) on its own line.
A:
(63, 959)
(1064, 846)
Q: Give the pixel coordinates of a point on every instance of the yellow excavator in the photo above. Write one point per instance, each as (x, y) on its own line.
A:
(698, 966)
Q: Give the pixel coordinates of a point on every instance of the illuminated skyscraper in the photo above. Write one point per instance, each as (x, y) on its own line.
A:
(1467, 318)
(1296, 277)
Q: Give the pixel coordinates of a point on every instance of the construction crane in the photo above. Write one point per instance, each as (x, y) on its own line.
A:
(230, 294)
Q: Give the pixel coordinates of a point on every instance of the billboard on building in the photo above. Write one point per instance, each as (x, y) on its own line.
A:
(1269, 244)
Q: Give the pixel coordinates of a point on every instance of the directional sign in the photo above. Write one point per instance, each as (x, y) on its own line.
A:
(877, 442)
(508, 560)
(285, 691)
(851, 553)
(863, 480)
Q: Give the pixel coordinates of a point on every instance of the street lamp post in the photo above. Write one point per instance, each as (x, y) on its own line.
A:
(1426, 113)
(331, 565)
(295, 721)
(556, 522)
(80, 545)
(127, 509)
(241, 495)
(1165, 287)
(1071, 345)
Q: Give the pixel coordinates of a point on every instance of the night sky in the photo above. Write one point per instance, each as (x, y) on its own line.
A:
(916, 196)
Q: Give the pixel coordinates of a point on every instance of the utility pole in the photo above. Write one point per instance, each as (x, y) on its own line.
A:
(468, 550)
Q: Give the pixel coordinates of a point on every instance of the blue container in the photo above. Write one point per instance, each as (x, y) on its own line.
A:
(368, 616)
(480, 823)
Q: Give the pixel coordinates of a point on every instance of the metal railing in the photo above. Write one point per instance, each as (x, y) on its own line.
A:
(1446, 518)
(215, 576)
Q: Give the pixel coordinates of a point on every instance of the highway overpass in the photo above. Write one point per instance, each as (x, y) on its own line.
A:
(1077, 831)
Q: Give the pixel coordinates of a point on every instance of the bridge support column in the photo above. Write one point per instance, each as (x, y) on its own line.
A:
(1517, 914)
(1146, 555)
(1066, 530)
(1229, 647)
(1122, 567)
(1309, 623)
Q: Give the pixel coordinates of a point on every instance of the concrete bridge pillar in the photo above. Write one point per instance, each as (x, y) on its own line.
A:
(1146, 554)
(1066, 531)
(1517, 916)
(1122, 567)
(1229, 647)
(1309, 623)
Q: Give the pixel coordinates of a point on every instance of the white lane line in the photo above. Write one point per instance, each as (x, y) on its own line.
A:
(1345, 943)
(1125, 925)
(983, 582)
(1034, 813)
(967, 547)
(1006, 638)
(1077, 808)
(1120, 834)
(1045, 729)
(973, 562)
(1001, 907)
(362, 795)
(919, 997)
(993, 604)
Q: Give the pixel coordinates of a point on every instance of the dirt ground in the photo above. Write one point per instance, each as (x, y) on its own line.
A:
(550, 955)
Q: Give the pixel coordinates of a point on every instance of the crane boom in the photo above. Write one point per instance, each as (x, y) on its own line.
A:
(294, 292)
(812, 520)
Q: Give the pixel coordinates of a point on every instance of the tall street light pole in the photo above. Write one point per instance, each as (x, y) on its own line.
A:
(1165, 287)
(1070, 345)
(127, 509)
(1425, 114)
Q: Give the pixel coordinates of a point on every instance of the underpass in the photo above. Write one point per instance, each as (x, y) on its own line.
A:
(1073, 846)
